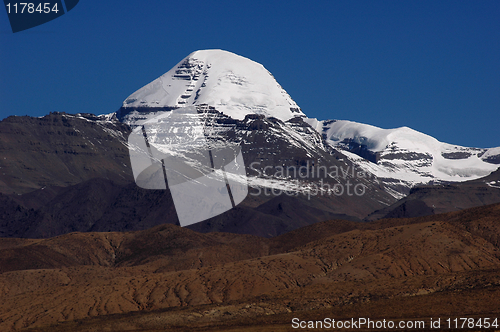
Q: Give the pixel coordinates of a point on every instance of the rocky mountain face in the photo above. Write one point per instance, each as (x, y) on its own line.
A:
(60, 150)
(272, 207)
(440, 198)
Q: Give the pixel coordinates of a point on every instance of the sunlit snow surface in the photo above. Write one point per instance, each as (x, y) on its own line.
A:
(232, 84)
(408, 155)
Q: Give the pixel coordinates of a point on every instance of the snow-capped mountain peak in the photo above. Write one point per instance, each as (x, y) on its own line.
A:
(234, 85)
(405, 155)
(374, 138)
(236, 90)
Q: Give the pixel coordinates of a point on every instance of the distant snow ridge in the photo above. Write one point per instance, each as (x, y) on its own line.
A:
(406, 155)
(234, 85)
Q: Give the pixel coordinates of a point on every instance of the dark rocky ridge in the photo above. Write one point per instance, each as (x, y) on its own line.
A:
(493, 160)
(60, 150)
(97, 204)
(442, 198)
(100, 205)
(74, 175)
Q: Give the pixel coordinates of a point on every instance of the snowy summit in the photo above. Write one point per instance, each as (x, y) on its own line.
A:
(234, 85)
(405, 154)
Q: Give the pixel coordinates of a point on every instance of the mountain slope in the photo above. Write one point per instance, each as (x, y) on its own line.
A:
(435, 199)
(60, 150)
(404, 157)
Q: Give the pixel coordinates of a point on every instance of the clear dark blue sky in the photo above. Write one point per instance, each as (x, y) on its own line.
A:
(433, 66)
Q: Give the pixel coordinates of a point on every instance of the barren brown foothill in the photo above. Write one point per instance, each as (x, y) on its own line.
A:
(170, 277)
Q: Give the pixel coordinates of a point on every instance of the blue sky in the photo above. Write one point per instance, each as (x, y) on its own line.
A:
(433, 66)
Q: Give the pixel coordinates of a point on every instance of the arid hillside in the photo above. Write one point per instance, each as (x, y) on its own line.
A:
(173, 278)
